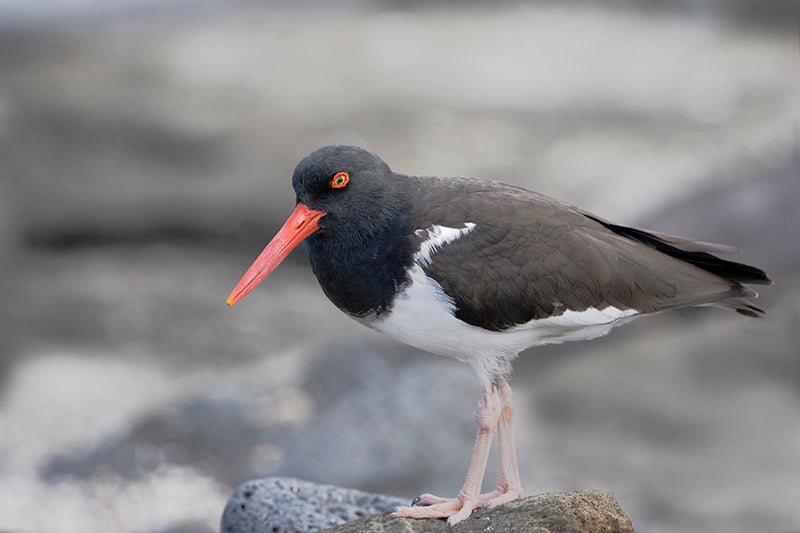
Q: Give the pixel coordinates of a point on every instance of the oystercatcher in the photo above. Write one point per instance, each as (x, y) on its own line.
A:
(480, 270)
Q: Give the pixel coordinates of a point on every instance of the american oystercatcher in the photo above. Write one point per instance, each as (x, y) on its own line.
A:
(480, 270)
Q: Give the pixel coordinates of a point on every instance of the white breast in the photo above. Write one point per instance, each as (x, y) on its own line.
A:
(423, 316)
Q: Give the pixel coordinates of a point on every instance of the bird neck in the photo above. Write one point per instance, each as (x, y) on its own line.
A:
(360, 267)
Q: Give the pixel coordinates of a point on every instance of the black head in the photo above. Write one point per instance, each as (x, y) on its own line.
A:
(352, 185)
(358, 253)
(350, 214)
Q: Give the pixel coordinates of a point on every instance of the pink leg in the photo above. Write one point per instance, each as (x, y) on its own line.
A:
(510, 487)
(469, 498)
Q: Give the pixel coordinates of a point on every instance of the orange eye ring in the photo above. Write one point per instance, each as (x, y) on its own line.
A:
(339, 180)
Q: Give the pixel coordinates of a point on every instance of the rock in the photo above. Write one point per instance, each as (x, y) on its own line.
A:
(593, 511)
(288, 505)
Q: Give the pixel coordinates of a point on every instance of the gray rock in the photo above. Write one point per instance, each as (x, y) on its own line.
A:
(555, 512)
(288, 505)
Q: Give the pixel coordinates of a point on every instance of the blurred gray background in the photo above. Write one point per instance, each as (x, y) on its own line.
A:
(146, 150)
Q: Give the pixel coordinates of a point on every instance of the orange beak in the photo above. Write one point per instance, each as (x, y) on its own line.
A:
(301, 224)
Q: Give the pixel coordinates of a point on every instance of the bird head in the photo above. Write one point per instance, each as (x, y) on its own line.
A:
(341, 190)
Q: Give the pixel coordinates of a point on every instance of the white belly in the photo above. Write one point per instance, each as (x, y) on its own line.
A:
(424, 317)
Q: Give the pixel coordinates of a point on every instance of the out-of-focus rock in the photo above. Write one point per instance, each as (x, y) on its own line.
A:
(288, 505)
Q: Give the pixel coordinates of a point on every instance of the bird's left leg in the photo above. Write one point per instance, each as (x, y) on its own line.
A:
(510, 487)
(469, 498)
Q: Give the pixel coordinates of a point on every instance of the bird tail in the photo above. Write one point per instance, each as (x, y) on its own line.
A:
(700, 255)
(697, 253)
(743, 307)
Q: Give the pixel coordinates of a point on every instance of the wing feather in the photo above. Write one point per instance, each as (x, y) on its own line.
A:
(532, 257)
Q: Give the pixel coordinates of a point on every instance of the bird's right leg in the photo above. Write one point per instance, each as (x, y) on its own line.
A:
(510, 487)
(469, 498)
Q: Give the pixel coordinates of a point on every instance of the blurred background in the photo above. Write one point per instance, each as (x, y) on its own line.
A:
(146, 150)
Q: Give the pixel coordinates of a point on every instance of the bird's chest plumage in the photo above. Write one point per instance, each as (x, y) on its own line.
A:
(361, 276)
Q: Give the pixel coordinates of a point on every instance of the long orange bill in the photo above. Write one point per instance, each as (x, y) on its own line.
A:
(301, 224)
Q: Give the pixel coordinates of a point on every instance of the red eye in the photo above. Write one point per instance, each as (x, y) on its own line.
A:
(340, 180)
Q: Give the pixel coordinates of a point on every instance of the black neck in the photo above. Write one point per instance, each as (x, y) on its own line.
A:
(361, 266)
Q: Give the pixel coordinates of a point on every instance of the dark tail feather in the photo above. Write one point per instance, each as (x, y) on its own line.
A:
(730, 270)
(733, 299)
(742, 307)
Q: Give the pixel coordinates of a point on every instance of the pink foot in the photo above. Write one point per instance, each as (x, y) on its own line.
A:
(429, 499)
(426, 500)
(454, 509)
(502, 496)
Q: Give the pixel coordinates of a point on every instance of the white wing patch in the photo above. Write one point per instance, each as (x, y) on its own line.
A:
(588, 317)
(438, 236)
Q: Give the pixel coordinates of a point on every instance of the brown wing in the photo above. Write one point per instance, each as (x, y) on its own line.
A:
(532, 257)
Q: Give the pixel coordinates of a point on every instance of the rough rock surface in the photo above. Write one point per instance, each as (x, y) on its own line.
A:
(288, 505)
(555, 512)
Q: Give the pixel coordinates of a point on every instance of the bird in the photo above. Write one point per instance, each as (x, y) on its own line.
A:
(480, 270)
